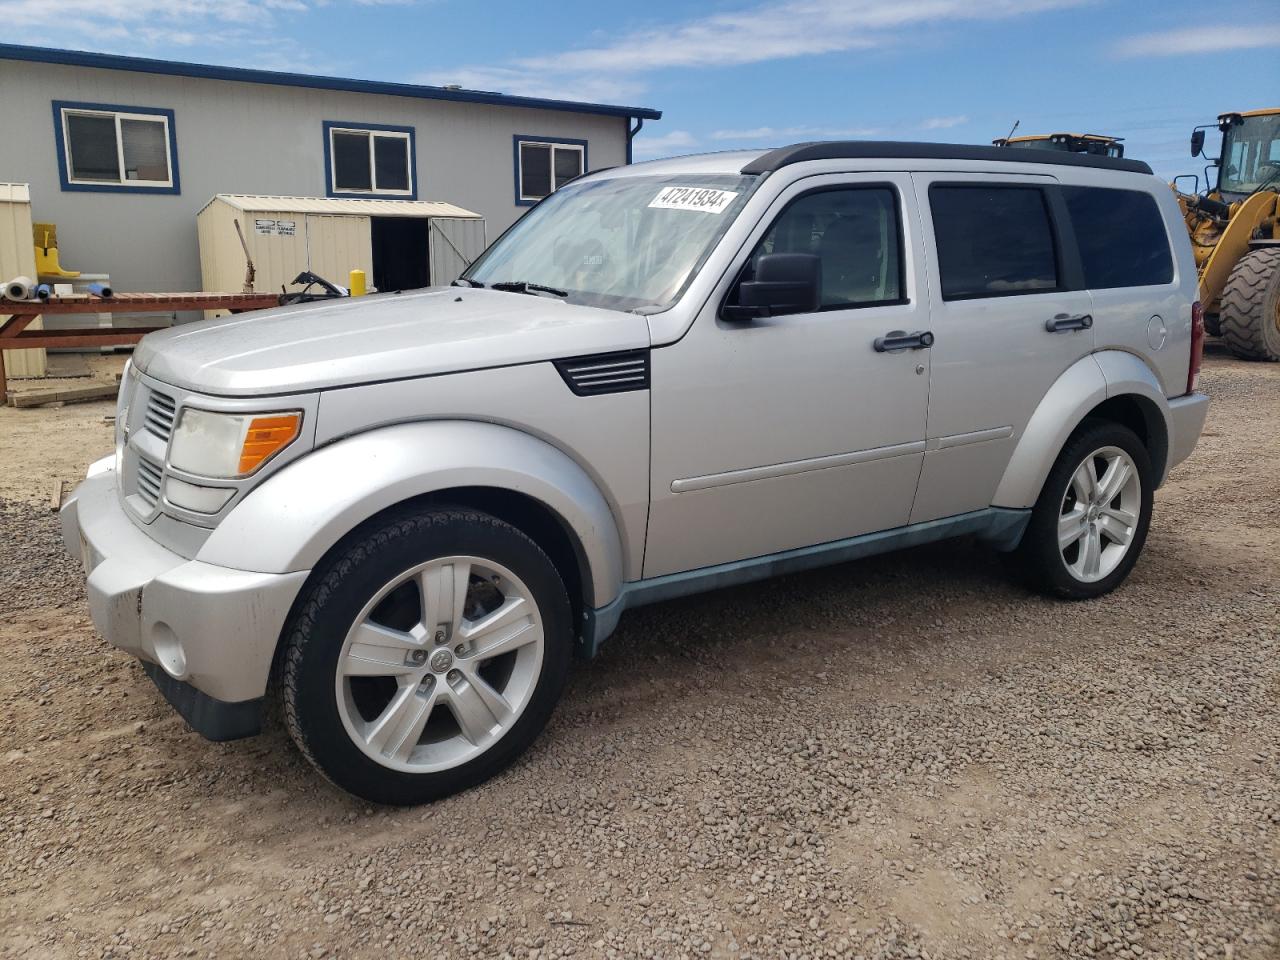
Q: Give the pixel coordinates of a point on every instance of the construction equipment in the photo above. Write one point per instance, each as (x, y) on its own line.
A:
(1235, 232)
(1097, 144)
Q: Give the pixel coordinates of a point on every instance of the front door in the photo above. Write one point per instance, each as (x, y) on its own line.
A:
(1009, 317)
(782, 432)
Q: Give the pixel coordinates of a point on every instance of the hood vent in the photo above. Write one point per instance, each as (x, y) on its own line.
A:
(606, 372)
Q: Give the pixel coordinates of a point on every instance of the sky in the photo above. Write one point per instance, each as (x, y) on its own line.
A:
(731, 74)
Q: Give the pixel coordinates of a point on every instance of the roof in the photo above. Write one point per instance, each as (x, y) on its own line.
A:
(15, 193)
(894, 150)
(258, 203)
(1265, 112)
(176, 68)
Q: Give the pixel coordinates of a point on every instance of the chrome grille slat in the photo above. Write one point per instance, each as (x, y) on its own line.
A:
(147, 477)
(160, 413)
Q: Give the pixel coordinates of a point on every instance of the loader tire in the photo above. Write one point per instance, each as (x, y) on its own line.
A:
(1250, 308)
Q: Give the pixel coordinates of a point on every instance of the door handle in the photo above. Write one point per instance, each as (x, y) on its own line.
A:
(1062, 323)
(901, 340)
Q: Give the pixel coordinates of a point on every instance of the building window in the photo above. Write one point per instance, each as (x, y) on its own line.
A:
(544, 166)
(129, 149)
(363, 160)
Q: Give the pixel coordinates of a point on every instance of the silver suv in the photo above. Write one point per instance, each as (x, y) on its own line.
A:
(408, 511)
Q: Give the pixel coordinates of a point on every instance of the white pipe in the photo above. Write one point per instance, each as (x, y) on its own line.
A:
(19, 288)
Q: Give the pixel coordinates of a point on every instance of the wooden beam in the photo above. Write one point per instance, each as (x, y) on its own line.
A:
(35, 398)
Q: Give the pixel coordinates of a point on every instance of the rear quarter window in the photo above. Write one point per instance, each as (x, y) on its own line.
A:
(993, 241)
(1121, 237)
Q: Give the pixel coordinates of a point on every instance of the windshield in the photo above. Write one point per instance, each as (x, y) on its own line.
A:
(626, 243)
(1250, 154)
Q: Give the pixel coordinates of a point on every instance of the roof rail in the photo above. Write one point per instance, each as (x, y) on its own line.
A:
(901, 150)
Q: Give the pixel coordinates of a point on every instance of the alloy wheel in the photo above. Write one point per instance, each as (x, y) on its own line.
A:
(1100, 512)
(440, 664)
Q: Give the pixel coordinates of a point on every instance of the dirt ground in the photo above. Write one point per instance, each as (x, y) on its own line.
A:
(902, 757)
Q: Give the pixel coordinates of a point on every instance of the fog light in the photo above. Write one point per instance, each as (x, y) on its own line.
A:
(168, 650)
(188, 496)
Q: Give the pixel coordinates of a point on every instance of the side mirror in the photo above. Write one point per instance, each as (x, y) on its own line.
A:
(784, 283)
(1197, 142)
(1195, 183)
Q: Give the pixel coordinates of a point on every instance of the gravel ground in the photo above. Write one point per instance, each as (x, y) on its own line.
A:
(902, 757)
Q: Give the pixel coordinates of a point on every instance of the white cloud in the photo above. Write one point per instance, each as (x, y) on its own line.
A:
(555, 86)
(779, 134)
(768, 31)
(248, 32)
(1200, 40)
(943, 123)
(666, 144)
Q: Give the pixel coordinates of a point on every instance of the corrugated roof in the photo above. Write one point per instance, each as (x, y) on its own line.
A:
(257, 203)
(15, 193)
(175, 68)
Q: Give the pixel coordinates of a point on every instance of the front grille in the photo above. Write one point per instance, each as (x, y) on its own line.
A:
(606, 372)
(148, 481)
(159, 416)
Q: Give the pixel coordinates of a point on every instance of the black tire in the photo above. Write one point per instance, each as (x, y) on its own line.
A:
(1038, 558)
(333, 599)
(1249, 313)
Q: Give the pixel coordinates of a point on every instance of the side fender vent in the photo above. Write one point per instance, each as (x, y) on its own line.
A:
(606, 372)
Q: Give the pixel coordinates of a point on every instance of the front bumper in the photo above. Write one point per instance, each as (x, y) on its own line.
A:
(206, 634)
(1186, 421)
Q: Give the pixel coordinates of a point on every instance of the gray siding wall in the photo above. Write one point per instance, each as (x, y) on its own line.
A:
(253, 138)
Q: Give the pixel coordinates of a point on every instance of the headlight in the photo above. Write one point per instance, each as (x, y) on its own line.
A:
(230, 445)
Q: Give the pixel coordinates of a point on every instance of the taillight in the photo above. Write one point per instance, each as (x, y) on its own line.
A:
(1197, 346)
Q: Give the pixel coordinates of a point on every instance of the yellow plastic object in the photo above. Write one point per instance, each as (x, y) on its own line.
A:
(357, 285)
(45, 236)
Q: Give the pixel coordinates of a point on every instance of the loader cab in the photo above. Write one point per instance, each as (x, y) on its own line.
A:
(1094, 144)
(1250, 158)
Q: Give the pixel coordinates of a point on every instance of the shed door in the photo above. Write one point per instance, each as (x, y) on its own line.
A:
(400, 259)
(337, 245)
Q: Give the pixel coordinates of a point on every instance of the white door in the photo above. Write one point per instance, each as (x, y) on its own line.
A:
(1008, 316)
(782, 432)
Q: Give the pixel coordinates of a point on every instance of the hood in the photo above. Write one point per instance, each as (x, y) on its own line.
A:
(391, 336)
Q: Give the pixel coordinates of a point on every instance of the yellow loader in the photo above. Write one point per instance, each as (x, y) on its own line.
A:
(1097, 144)
(1235, 232)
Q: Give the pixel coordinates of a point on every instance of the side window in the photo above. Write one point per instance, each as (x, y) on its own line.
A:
(369, 161)
(1121, 237)
(858, 237)
(544, 166)
(993, 241)
(116, 148)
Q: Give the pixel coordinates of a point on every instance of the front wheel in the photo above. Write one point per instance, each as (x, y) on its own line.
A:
(426, 656)
(1089, 525)
(1250, 308)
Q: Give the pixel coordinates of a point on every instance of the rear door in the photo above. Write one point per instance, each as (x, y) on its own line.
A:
(1009, 316)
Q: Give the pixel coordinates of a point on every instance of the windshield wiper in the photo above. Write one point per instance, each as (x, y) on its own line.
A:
(465, 282)
(524, 286)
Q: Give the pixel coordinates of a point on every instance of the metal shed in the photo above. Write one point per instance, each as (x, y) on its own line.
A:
(399, 244)
(18, 259)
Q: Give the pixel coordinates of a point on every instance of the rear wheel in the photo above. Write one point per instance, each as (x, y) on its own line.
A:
(1090, 523)
(1250, 307)
(426, 656)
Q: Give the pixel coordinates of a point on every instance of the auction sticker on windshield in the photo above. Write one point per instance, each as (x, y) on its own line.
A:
(702, 199)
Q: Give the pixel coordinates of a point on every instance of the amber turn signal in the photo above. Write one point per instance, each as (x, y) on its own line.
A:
(266, 437)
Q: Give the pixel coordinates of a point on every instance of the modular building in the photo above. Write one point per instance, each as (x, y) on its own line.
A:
(122, 153)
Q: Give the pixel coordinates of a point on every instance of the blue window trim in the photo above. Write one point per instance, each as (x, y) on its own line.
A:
(329, 189)
(64, 168)
(520, 138)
